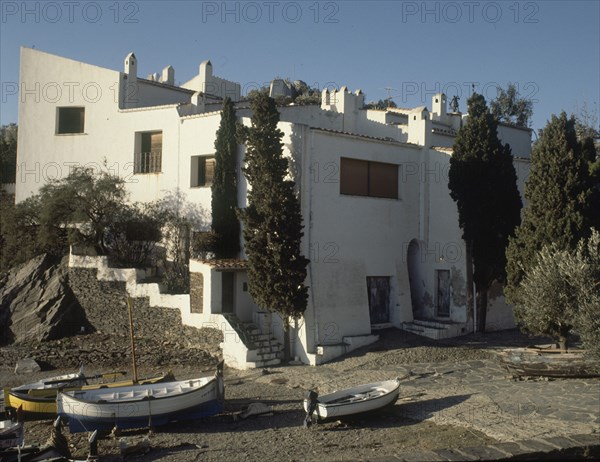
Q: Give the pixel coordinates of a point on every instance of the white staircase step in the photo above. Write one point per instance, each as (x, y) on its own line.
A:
(264, 363)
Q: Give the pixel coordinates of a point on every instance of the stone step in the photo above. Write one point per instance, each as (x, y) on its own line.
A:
(260, 337)
(433, 329)
(264, 343)
(431, 324)
(412, 327)
(272, 348)
(264, 363)
(267, 356)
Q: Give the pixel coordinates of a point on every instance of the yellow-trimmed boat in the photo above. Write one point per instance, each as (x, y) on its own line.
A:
(40, 404)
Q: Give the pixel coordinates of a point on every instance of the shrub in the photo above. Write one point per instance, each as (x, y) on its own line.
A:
(561, 292)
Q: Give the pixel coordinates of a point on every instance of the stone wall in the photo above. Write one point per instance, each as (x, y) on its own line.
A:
(106, 308)
(196, 292)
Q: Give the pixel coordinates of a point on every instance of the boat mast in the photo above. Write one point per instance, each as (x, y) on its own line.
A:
(135, 377)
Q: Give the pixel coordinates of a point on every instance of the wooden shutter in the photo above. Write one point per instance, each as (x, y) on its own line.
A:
(354, 177)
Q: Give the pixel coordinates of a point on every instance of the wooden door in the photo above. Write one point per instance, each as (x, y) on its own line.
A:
(378, 291)
(443, 292)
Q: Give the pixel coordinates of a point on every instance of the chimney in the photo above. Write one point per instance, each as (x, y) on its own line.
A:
(168, 75)
(129, 90)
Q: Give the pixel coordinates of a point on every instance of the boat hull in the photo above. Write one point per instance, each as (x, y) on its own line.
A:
(11, 434)
(30, 407)
(548, 363)
(50, 384)
(354, 401)
(41, 404)
(150, 406)
(140, 418)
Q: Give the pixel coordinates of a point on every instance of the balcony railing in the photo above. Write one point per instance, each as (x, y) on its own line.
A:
(148, 162)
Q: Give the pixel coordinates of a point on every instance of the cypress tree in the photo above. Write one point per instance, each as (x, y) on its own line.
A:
(224, 187)
(559, 195)
(272, 221)
(483, 183)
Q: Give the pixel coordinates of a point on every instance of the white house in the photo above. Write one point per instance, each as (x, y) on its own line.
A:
(381, 230)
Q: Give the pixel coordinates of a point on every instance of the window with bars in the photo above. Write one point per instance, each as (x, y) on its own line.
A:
(368, 178)
(148, 159)
(70, 120)
(202, 171)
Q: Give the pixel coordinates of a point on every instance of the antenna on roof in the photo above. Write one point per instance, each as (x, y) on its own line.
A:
(389, 90)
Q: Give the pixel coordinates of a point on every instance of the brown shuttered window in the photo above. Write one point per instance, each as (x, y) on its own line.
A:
(354, 177)
(366, 178)
(202, 171)
(383, 180)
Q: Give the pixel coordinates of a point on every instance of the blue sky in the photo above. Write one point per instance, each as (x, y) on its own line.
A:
(550, 49)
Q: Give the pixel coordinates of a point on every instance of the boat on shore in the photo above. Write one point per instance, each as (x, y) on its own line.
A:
(40, 403)
(357, 400)
(549, 362)
(11, 434)
(52, 383)
(142, 406)
(56, 449)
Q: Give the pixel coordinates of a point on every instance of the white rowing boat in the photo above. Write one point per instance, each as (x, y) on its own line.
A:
(351, 401)
(60, 381)
(142, 405)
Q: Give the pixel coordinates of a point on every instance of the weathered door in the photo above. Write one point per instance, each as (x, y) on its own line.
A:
(227, 291)
(378, 291)
(443, 292)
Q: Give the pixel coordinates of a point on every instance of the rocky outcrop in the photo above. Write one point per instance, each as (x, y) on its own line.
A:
(36, 303)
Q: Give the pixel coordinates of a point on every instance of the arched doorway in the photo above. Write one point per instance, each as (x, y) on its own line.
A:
(414, 259)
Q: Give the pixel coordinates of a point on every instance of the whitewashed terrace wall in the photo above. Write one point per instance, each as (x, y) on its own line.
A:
(235, 352)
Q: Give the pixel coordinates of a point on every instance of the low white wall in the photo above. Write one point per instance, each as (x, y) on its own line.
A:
(326, 353)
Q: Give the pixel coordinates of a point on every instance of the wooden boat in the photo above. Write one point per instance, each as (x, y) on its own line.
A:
(40, 403)
(11, 434)
(56, 449)
(548, 362)
(356, 400)
(52, 383)
(142, 406)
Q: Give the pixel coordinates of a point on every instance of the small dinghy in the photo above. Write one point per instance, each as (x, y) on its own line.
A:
(143, 405)
(549, 362)
(75, 379)
(356, 400)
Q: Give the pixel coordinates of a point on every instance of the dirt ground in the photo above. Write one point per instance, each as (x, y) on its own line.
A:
(275, 437)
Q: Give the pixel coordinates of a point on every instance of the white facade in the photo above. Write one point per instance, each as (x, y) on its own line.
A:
(375, 261)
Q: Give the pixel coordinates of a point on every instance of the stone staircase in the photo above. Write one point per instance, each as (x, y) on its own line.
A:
(435, 329)
(263, 349)
(250, 348)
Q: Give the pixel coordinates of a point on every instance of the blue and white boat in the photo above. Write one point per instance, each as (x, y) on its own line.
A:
(357, 400)
(142, 406)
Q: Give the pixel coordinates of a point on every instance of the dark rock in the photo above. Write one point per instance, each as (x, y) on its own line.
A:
(36, 303)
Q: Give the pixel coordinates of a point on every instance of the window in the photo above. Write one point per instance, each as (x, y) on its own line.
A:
(148, 156)
(70, 120)
(202, 171)
(366, 178)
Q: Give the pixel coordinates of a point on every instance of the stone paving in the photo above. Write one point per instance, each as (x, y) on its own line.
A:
(483, 396)
(551, 418)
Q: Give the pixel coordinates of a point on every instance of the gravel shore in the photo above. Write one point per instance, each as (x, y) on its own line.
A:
(275, 437)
